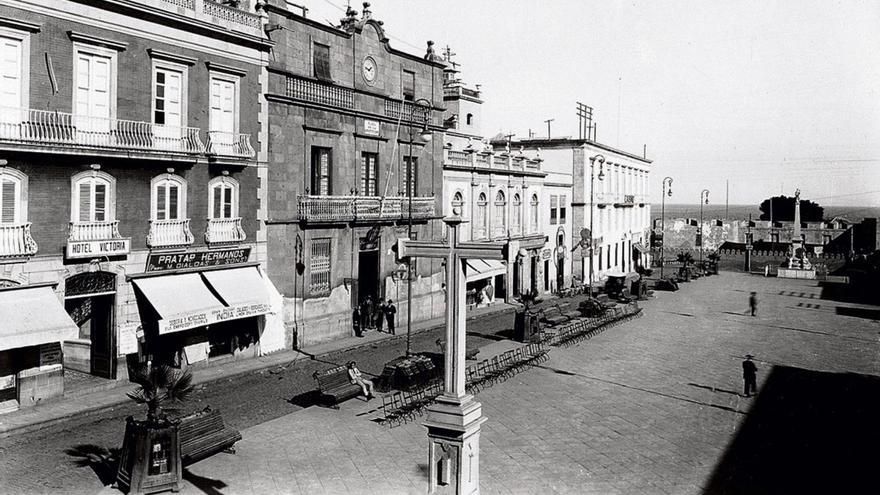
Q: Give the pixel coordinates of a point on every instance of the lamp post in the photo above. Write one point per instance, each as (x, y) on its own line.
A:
(593, 160)
(667, 191)
(704, 192)
(424, 106)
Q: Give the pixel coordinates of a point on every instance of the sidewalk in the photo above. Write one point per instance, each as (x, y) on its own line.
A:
(57, 411)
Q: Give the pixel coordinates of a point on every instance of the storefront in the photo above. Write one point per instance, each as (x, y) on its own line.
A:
(485, 282)
(31, 335)
(199, 315)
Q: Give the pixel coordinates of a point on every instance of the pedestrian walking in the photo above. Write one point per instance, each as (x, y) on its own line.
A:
(750, 373)
(356, 378)
(380, 315)
(390, 312)
(753, 303)
(356, 322)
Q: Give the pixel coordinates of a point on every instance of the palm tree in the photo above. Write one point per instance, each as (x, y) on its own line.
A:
(684, 258)
(159, 384)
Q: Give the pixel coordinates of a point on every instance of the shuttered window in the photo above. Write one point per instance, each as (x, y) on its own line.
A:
(10, 76)
(10, 199)
(408, 85)
(93, 200)
(369, 177)
(94, 77)
(410, 175)
(321, 61)
(319, 267)
(562, 201)
(554, 205)
(224, 198)
(322, 162)
(535, 213)
(168, 198)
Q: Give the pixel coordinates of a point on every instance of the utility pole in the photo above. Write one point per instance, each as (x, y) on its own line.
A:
(548, 126)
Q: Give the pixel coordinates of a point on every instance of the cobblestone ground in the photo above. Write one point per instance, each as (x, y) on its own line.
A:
(649, 406)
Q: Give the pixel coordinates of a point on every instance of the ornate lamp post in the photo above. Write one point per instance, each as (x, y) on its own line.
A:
(703, 193)
(593, 160)
(667, 191)
(424, 107)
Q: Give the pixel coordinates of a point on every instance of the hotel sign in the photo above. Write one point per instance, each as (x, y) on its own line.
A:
(94, 249)
(197, 259)
(200, 319)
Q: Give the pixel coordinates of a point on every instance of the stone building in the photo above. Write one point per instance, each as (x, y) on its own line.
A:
(349, 167)
(129, 190)
(499, 192)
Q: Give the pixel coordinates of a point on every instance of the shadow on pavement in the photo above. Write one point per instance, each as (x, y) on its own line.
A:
(104, 462)
(714, 389)
(210, 486)
(868, 314)
(305, 399)
(807, 432)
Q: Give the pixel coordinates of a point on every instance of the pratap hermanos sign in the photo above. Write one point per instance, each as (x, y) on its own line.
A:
(198, 259)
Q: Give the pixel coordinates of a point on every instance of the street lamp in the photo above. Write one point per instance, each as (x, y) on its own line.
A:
(704, 192)
(667, 191)
(424, 107)
(593, 160)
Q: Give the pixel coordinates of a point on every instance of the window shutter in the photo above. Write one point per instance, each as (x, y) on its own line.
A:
(161, 210)
(7, 201)
(321, 56)
(409, 85)
(173, 196)
(100, 203)
(10, 72)
(85, 201)
(216, 200)
(227, 202)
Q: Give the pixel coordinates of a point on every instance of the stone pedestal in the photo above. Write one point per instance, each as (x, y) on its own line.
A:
(454, 445)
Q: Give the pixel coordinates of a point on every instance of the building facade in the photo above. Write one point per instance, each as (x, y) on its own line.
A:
(499, 193)
(609, 204)
(129, 181)
(355, 146)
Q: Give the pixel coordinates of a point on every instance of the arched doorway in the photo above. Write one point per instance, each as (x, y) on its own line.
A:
(90, 300)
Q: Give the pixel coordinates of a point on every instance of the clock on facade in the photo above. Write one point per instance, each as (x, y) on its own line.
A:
(369, 69)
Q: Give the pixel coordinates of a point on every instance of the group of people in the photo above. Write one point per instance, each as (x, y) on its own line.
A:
(373, 316)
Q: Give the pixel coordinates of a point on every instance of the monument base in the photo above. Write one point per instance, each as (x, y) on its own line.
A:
(796, 273)
(454, 445)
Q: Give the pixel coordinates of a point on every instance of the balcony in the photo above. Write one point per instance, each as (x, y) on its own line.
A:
(406, 111)
(319, 92)
(229, 144)
(458, 158)
(42, 127)
(230, 14)
(169, 234)
(453, 91)
(335, 209)
(625, 200)
(213, 12)
(224, 231)
(16, 241)
(93, 231)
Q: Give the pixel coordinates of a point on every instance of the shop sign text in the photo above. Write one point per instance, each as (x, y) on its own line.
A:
(185, 322)
(197, 259)
(93, 249)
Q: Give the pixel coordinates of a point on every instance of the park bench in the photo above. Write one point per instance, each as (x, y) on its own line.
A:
(203, 434)
(334, 385)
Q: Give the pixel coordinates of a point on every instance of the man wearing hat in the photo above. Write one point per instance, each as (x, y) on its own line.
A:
(750, 372)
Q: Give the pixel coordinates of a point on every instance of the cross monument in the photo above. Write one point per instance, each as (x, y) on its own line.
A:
(454, 420)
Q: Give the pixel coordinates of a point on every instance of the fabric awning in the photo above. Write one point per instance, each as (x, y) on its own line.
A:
(238, 286)
(33, 316)
(478, 269)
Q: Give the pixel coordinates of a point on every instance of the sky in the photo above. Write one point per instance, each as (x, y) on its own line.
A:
(757, 97)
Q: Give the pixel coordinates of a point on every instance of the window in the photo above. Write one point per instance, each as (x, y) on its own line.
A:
(223, 198)
(93, 198)
(169, 197)
(14, 48)
(408, 85)
(535, 213)
(369, 177)
(11, 186)
(168, 96)
(562, 209)
(322, 162)
(457, 202)
(410, 175)
(616, 249)
(482, 217)
(500, 210)
(94, 82)
(599, 252)
(319, 267)
(554, 205)
(516, 220)
(826, 239)
(223, 116)
(321, 61)
(470, 119)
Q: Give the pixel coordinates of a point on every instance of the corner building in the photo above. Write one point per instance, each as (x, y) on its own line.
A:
(346, 116)
(129, 190)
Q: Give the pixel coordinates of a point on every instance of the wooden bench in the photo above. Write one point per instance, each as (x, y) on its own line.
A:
(203, 434)
(334, 385)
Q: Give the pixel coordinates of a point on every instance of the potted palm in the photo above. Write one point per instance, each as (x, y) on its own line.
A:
(150, 459)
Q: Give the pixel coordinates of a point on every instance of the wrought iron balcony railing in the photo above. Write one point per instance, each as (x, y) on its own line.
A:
(66, 129)
(93, 231)
(224, 231)
(16, 241)
(229, 144)
(319, 92)
(169, 233)
(330, 209)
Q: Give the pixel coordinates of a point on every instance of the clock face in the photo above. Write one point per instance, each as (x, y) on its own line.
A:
(369, 69)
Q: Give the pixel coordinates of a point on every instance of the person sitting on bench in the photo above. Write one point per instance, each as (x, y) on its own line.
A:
(354, 374)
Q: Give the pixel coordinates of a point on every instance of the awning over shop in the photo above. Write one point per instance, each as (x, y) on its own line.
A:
(33, 316)
(191, 300)
(477, 269)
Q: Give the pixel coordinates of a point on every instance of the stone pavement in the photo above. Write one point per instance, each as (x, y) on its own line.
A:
(650, 406)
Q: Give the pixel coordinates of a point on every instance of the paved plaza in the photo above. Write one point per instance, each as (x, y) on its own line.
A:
(650, 406)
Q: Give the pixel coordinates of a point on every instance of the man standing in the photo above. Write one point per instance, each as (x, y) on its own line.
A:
(390, 312)
(753, 303)
(380, 315)
(366, 310)
(750, 372)
(356, 322)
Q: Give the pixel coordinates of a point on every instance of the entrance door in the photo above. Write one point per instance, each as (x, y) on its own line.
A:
(90, 300)
(368, 275)
(546, 275)
(103, 345)
(517, 278)
(560, 272)
(533, 274)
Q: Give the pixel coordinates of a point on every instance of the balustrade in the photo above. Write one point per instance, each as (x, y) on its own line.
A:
(16, 241)
(229, 144)
(169, 233)
(363, 208)
(93, 231)
(319, 92)
(500, 161)
(231, 14)
(224, 231)
(460, 158)
(484, 160)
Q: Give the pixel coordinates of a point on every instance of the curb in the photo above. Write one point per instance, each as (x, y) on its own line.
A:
(91, 411)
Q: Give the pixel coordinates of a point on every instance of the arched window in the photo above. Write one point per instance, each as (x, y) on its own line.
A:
(516, 219)
(534, 213)
(500, 216)
(13, 196)
(223, 197)
(458, 202)
(482, 215)
(469, 119)
(168, 197)
(93, 198)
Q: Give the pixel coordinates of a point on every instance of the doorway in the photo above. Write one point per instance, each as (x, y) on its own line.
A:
(533, 274)
(546, 275)
(368, 275)
(560, 272)
(517, 278)
(90, 300)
